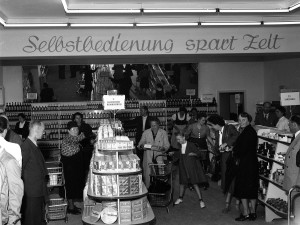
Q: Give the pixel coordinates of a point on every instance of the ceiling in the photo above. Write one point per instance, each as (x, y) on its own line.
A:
(53, 11)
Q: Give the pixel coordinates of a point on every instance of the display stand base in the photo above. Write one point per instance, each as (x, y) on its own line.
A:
(150, 220)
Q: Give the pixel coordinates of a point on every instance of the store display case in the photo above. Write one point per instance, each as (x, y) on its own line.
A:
(272, 147)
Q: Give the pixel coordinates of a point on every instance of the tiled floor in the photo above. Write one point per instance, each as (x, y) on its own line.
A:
(189, 212)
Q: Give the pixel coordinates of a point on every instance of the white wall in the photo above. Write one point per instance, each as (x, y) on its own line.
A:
(281, 73)
(233, 76)
(13, 83)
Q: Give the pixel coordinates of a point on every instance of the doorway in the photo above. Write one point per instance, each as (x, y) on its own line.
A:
(231, 103)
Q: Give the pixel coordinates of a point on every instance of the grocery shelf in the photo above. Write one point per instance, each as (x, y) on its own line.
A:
(269, 159)
(118, 172)
(276, 211)
(271, 181)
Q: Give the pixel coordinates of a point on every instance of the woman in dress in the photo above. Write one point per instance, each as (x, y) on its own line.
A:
(199, 134)
(190, 169)
(157, 138)
(283, 122)
(180, 121)
(247, 178)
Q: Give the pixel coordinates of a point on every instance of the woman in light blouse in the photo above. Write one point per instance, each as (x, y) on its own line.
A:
(283, 122)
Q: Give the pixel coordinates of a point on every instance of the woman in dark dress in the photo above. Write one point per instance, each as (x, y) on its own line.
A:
(247, 178)
(190, 169)
(22, 127)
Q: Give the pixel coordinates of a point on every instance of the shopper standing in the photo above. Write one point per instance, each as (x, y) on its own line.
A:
(34, 173)
(283, 122)
(291, 170)
(87, 142)
(142, 123)
(11, 136)
(266, 117)
(13, 188)
(247, 178)
(180, 122)
(190, 169)
(22, 127)
(157, 137)
(71, 157)
(225, 137)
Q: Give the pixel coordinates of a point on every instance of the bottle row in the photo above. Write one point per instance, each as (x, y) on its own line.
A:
(266, 149)
(265, 168)
(263, 187)
(129, 104)
(13, 116)
(17, 107)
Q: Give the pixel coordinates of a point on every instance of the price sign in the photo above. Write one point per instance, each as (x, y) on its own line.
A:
(32, 96)
(113, 102)
(290, 98)
(190, 92)
(207, 98)
(237, 98)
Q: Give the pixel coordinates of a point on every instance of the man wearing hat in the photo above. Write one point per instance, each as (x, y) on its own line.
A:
(71, 157)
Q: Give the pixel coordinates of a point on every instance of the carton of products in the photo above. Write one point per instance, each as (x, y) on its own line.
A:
(125, 211)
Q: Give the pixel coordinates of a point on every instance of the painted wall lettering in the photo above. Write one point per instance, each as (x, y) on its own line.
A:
(255, 42)
(90, 44)
(213, 44)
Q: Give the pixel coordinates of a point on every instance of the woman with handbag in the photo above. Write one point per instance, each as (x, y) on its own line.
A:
(157, 138)
(190, 169)
(247, 177)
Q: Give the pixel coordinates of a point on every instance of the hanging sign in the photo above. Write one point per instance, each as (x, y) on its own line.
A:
(207, 98)
(113, 102)
(237, 98)
(31, 96)
(289, 97)
(190, 92)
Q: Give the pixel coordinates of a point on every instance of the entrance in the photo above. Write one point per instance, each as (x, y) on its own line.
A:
(231, 103)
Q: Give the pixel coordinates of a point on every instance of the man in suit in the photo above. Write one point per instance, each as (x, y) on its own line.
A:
(291, 171)
(34, 174)
(225, 137)
(12, 194)
(265, 117)
(142, 122)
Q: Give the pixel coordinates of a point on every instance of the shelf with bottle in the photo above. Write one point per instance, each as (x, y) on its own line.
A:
(17, 107)
(279, 210)
(13, 116)
(271, 151)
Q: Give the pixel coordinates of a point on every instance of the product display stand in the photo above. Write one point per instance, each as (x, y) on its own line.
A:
(115, 192)
(272, 147)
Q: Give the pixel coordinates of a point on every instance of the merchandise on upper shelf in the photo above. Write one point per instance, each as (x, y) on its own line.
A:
(273, 133)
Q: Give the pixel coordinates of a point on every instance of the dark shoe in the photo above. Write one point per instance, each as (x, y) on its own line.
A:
(242, 218)
(252, 216)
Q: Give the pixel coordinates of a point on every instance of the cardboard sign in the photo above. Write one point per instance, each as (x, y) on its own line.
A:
(290, 98)
(190, 92)
(206, 98)
(113, 102)
(32, 96)
(237, 98)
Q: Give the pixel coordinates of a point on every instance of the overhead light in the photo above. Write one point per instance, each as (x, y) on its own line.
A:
(253, 10)
(179, 10)
(104, 11)
(295, 6)
(230, 23)
(67, 10)
(282, 23)
(101, 25)
(34, 24)
(166, 24)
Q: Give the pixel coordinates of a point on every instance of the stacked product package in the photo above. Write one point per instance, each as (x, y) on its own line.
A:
(108, 163)
(107, 185)
(133, 210)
